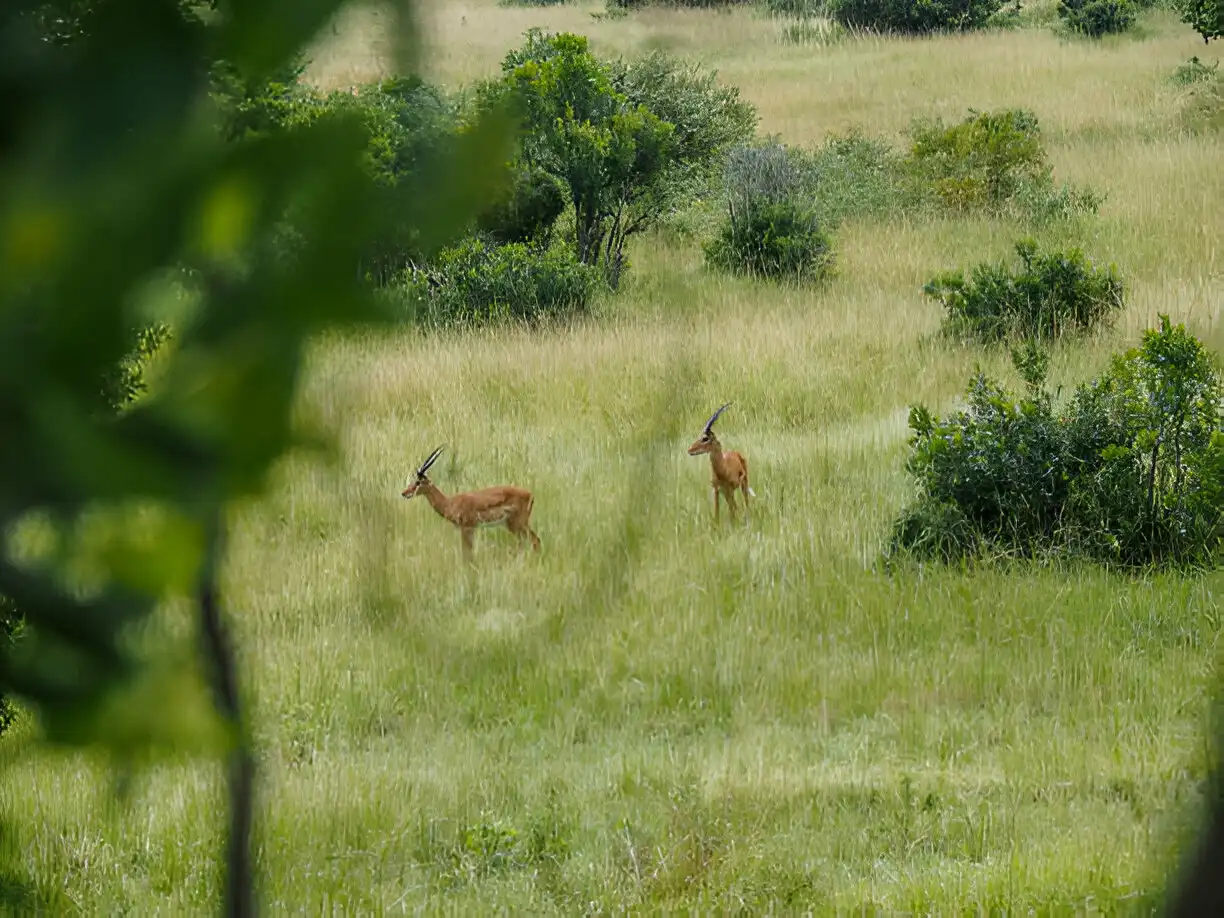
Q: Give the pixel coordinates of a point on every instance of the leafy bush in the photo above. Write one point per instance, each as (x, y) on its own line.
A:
(1130, 471)
(770, 230)
(774, 239)
(994, 161)
(1052, 293)
(982, 160)
(475, 283)
(528, 213)
(1095, 18)
(914, 17)
(853, 175)
(1204, 16)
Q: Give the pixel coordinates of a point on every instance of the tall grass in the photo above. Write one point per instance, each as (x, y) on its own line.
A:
(655, 712)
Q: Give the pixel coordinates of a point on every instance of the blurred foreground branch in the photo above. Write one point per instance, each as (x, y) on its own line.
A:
(119, 190)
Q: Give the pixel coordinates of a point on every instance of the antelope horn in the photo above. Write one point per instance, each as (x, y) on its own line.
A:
(433, 457)
(714, 417)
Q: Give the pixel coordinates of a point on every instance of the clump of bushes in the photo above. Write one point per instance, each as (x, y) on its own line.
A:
(993, 161)
(477, 282)
(1049, 294)
(1129, 471)
(769, 230)
(910, 18)
(1095, 18)
(776, 239)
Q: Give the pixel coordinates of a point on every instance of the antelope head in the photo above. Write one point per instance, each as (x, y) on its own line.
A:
(707, 442)
(421, 478)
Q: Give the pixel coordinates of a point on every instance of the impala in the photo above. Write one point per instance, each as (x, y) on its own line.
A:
(494, 506)
(730, 469)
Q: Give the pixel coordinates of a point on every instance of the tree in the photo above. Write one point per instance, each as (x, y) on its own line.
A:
(109, 176)
(1204, 16)
(629, 140)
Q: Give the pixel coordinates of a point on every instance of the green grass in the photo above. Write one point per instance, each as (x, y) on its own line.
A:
(654, 713)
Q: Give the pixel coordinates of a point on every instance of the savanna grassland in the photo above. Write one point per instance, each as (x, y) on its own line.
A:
(656, 713)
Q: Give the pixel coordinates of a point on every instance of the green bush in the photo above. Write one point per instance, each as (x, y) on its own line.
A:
(528, 213)
(1130, 471)
(775, 239)
(10, 625)
(982, 160)
(914, 17)
(1095, 18)
(770, 229)
(857, 176)
(994, 161)
(1048, 295)
(476, 283)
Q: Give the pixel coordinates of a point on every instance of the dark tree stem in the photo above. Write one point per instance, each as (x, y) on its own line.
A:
(223, 671)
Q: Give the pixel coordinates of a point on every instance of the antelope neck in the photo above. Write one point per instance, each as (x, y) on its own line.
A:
(439, 501)
(716, 456)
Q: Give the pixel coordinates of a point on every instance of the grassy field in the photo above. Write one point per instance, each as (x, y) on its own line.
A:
(654, 713)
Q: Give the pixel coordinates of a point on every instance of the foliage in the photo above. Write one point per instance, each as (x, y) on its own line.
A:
(857, 176)
(528, 212)
(769, 230)
(475, 283)
(993, 161)
(111, 176)
(914, 18)
(593, 125)
(1095, 18)
(1204, 16)
(982, 160)
(707, 118)
(1131, 471)
(1048, 295)
(776, 240)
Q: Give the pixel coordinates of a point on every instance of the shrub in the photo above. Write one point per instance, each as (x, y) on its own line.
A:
(853, 175)
(993, 161)
(1204, 16)
(914, 18)
(476, 283)
(982, 160)
(528, 213)
(773, 239)
(1130, 471)
(769, 231)
(1050, 294)
(1095, 18)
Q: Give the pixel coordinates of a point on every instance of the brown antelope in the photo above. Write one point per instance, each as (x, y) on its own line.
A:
(730, 469)
(468, 511)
